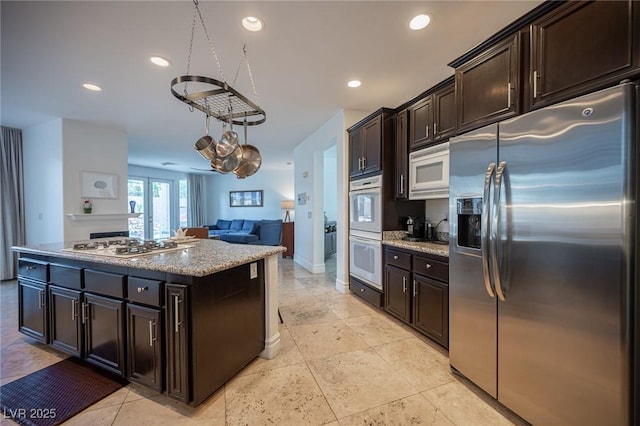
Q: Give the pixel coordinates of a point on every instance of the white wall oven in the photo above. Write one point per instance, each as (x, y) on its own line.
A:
(365, 205)
(429, 173)
(365, 260)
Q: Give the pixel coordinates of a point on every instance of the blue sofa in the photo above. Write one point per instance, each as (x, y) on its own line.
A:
(240, 231)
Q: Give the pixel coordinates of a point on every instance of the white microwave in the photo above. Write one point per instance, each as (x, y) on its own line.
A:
(429, 173)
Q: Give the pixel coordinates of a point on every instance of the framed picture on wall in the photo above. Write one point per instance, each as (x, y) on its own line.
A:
(98, 185)
(245, 198)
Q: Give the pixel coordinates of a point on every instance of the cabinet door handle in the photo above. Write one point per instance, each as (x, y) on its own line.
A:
(359, 163)
(415, 288)
(152, 338)
(141, 289)
(426, 129)
(402, 184)
(535, 84)
(42, 299)
(435, 129)
(509, 95)
(73, 310)
(85, 313)
(428, 266)
(362, 290)
(176, 313)
(364, 163)
(404, 284)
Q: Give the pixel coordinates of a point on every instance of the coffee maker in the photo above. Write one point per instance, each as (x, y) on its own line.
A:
(415, 228)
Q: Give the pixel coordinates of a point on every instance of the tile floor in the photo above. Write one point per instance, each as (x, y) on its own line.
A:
(342, 362)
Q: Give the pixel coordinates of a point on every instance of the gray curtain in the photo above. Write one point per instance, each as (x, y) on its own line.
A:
(12, 230)
(197, 207)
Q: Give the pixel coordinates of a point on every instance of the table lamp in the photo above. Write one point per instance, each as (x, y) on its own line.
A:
(287, 205)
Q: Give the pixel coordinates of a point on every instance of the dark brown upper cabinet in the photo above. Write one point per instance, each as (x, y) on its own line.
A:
(583, 46)
(444, 108)
(488, 85)
(433, 117)
(367, 140)
(402, 156)
(420, 123)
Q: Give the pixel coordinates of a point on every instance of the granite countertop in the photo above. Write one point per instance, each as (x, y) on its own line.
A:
(199, 258)
(394, 239)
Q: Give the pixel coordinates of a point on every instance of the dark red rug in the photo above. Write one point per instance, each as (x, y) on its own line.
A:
(54, 394)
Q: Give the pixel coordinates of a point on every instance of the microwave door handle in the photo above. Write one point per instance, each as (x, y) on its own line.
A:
(497, 279)
(484, 235)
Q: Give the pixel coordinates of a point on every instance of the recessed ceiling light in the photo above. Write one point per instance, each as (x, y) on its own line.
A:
(419, 22)
(354, 83)
(93, 87)
(252, 23)
(160, 61)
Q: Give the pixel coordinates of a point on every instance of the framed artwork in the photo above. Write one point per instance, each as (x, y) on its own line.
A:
(245, 198)
(98, 185)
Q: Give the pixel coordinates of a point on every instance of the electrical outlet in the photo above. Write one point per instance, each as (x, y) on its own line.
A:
(309, 215)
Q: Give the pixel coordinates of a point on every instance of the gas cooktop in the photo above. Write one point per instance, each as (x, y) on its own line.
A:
(128, 247)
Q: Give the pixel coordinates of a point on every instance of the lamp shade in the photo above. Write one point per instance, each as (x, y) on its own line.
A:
(287, 205)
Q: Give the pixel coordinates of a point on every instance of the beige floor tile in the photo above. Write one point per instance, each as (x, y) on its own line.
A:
(412, 410)
(289, 354)
(25, 356)
(306, 313)
(464, 407)
(320, 340)
(104, 416)
(349, 306)
(376, 330)
(161, 410)
(115, 399)
(284, 396)
(357, 381)
(418, 363)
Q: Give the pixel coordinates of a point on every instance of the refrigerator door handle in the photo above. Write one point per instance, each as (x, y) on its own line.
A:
(494, 232)
(484, 236)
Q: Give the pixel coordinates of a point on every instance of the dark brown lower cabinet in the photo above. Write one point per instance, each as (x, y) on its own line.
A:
(416, 291)
(431, 308)
(177, 347)
(65, 306)
(145, 357)
(104, 332)
(397, 292)
(32, 309)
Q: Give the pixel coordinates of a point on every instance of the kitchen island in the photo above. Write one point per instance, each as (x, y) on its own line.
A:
(181, 321)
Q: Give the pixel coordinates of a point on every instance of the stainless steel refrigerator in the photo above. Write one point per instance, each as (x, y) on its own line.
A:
(542, 259)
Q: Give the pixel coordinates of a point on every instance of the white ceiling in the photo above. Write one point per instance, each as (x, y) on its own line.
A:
(301, 62)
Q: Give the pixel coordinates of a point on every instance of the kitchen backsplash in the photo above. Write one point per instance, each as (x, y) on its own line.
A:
(436, 210)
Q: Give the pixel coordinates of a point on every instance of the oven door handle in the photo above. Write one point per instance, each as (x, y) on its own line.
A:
(365, 240)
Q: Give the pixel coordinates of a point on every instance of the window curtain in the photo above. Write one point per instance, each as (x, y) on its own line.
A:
(197, 214)
(12, 226)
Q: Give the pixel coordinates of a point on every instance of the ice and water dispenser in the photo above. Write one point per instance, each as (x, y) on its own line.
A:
(469, 223)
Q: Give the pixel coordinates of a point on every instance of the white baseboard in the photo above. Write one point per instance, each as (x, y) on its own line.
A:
(314, 269)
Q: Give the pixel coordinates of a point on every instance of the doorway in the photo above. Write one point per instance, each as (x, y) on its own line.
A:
(330, 202)
(153, 199)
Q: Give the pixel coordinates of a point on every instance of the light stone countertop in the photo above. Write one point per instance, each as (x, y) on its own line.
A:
(394, 239)
(200, 258)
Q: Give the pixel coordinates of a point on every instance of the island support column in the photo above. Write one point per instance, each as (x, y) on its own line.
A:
(272, 325)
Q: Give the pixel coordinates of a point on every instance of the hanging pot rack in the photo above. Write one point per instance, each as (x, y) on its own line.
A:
(220, 97)
(219, 100)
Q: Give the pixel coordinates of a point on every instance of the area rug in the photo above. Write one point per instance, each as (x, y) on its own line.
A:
(54, 394)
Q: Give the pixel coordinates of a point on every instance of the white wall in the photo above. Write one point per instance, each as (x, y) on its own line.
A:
(43, 185)
(55, 153)
(309, 179)
(330, 182)
(277, 185)
(87, 147)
